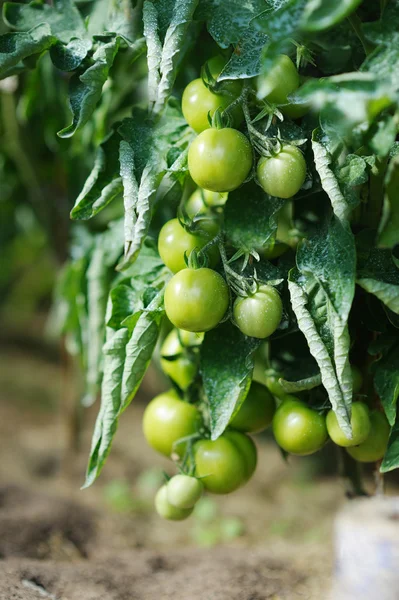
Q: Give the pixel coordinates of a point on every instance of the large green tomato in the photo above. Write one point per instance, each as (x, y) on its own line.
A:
(183, 368)
(226, 463)
(282, 175)
(259, 314)
(281, 81)
(360, 422)
(257, 410)
(220, 159)
(198, 101)
(168, 511)
(196, 299)
(166, 420)
(299, 429)
(184, 491)
(201, 200)
(174, 241)
(375, 445)
(249, 453)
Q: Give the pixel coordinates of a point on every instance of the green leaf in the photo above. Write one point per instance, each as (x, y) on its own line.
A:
(85, 88)
(124, 302)
(69, 57)
(322, 289)
(380, 276)
(227, 363)
(319, 15)
(104, 182)
(228, 22)
(63, 18)
(154, 49)
(386, 376)
(251, 217)
(291, 387)
(391, 458)
(246, 61)
(389, 226)
(338, 181)
(15, 47)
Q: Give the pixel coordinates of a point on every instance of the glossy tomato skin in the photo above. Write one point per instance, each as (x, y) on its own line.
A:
(282, 175)
(374, 446)
(220, 160)
(274, 386)
(183, 369)
(201, 201)
(196, 299)
(166, 420)
(184, 491)
(174, 241)
(360, 422)
(256, 412)
(299, 429)
(281, 81)
(198, 101)
(247, 448)
(220, 465)
(259, 314)
(166, 510)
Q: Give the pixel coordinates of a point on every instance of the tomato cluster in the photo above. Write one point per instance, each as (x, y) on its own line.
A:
(199, 295)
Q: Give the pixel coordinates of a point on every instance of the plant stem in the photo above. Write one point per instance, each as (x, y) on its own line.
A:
(350, 470)
(371, 211)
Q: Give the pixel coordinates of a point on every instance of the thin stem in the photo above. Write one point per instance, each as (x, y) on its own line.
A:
(357, 28)
(371, 211)
(379, 480)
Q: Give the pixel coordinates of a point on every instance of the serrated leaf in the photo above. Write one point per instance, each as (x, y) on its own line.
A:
(85, 88)
(291, 387)
(245, 62)
(104, 182)
(63, 18)
(250, 217)
(15, 47)
(227, 363)
(391, 458)
(380, 276)
(322, 289)
(319, 15)
(154, 48)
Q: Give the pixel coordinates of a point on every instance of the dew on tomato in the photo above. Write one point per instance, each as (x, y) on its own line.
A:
(282, 175)
(259, 314)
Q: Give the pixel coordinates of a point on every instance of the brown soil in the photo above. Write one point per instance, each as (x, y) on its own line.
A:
(61, 543)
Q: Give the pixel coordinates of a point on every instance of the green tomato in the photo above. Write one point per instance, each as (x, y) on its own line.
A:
(174, 241)
(201, 200)
(281, 81)
(375, 445)
(282, 175)
(274, 386)
(196, 299)
(257, 410)
(220, 159)
(295, 111)
(166, 420)
(248, 450)
(182, 369)
(223, 465)
(360, 422)
(259, 314)
(166, 510)
(357, 379)
(299, 429)
(184, 491)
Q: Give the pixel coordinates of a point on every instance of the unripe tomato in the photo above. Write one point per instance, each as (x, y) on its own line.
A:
(282, 175)
(200, 201)
(259, 314)
(166, 420)
(257, 410)
(166, 510)
(299, 429)
(274, 386)
(375, 445)
(246, 446)
(198, 100)
(357, 379)
(360, 422)
(181, 370)
(281, 81)
(196, 299)
(184, 491)
(174, 241)
(224, 464)
(220, 159)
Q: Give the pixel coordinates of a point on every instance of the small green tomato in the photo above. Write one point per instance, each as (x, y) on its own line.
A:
(360, 422)
(166, 510)
(184, 491)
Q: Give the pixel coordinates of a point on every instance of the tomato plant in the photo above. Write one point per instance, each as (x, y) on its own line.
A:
(261, 148)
